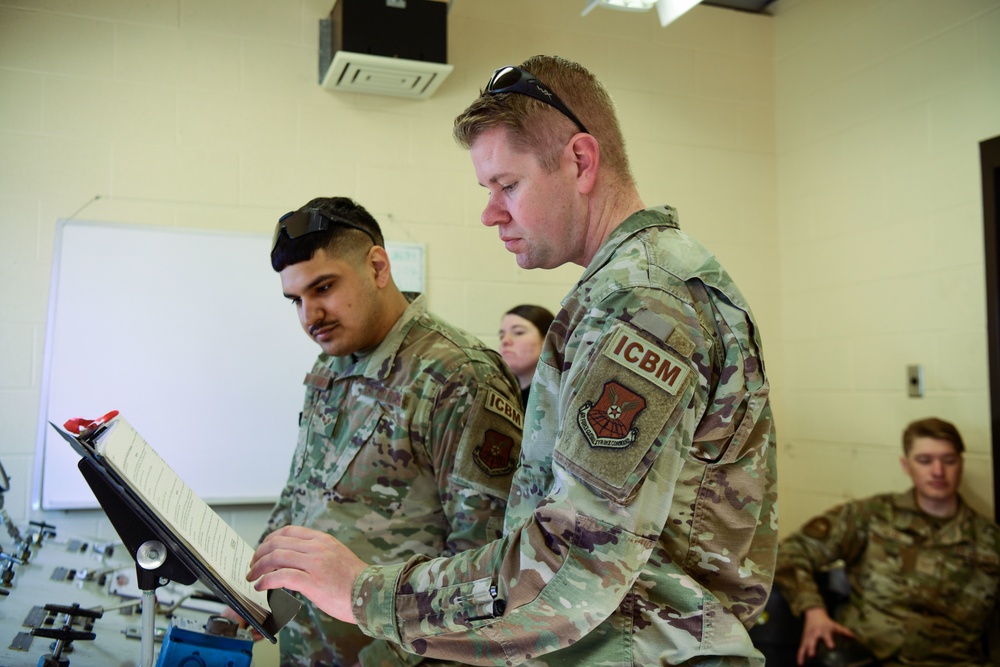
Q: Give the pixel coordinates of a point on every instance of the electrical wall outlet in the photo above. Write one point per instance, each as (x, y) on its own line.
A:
(915, 380)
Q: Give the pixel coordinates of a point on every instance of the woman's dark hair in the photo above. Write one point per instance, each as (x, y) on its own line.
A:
(537, 315)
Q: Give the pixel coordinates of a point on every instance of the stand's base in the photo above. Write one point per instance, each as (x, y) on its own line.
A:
(49, 661)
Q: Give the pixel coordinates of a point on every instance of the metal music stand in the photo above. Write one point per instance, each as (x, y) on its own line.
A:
(160, 556)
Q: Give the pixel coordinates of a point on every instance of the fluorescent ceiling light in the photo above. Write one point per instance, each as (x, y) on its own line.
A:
(668, 10)
(624, 5)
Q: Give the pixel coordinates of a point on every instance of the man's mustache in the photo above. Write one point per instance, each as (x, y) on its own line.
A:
(313, 328)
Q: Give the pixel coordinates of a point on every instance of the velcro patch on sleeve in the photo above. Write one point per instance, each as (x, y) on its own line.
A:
(647, 360)
(496, 454)
(608, 422)
(318, 381)
(818, 528)
(623, 410)
(490, 447)
(499, 405)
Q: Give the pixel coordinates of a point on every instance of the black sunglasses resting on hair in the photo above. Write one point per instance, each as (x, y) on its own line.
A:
(512, 79)
(300, 223)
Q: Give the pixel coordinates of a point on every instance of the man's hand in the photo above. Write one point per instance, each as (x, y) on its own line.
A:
(310, 562)
(818, 625)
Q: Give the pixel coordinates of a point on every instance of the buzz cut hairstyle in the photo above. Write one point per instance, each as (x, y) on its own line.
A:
(338, 241)
(932, 427)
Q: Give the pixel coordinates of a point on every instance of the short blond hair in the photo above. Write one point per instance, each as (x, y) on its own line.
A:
(540, 129)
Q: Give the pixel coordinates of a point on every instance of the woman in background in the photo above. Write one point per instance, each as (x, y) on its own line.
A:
(522, 330)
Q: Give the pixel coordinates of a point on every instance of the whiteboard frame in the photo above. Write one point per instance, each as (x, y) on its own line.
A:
(412, 272)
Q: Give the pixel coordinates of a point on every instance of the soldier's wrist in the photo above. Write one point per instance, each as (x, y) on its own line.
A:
(373, 601)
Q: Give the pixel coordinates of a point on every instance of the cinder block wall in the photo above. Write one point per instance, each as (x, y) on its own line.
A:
(880, 108)
(828, 154)
(208, 114)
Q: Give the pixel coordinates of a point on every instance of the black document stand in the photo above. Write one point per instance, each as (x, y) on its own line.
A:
(154, 564)
(158, 553)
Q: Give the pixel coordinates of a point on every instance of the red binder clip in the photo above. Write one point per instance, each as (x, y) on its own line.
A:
(79, 424)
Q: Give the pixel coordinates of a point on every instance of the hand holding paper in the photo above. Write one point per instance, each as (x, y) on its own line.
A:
(311, 562)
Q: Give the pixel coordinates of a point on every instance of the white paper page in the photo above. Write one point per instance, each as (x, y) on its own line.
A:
(225, 552)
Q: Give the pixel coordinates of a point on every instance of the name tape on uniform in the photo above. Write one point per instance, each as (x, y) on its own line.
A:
(501, 406)
(647, 360)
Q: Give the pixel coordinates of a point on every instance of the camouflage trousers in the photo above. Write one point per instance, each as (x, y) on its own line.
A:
(313, 639)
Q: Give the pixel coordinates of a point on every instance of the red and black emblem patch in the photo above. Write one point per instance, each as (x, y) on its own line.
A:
(608, 423)
(495, 454)
(818, 528)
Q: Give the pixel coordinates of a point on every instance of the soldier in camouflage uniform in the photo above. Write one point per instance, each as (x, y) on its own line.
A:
(641, 528)
(411, 427)
(924, 568)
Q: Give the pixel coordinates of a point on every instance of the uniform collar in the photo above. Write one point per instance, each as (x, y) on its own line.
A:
(952, 530)
(656, 216)
(378, 363)
(907, 500)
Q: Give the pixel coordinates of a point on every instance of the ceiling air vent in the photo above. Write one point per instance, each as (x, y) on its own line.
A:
(385, 47)
(380, 75)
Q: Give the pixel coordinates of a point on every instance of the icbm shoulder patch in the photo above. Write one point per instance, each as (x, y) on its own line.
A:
(495, 455)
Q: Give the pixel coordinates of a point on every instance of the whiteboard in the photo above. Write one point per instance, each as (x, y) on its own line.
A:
(187, 334)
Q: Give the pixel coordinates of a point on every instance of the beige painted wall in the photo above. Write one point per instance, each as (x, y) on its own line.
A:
(880, 108)
(208, 114)
(827, 154)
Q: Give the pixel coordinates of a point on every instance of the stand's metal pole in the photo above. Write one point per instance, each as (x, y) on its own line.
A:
(150, 555)
(148, 628)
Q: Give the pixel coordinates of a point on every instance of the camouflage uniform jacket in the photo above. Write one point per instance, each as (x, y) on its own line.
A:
(407, 450)
(641, 528)
(922, 589)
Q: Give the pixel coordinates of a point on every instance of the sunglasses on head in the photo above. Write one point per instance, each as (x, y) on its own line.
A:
(300, 223)
(512, 79)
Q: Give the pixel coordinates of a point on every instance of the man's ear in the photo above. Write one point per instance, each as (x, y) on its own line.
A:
(378, 261)
(586, 153)
(905, 463)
